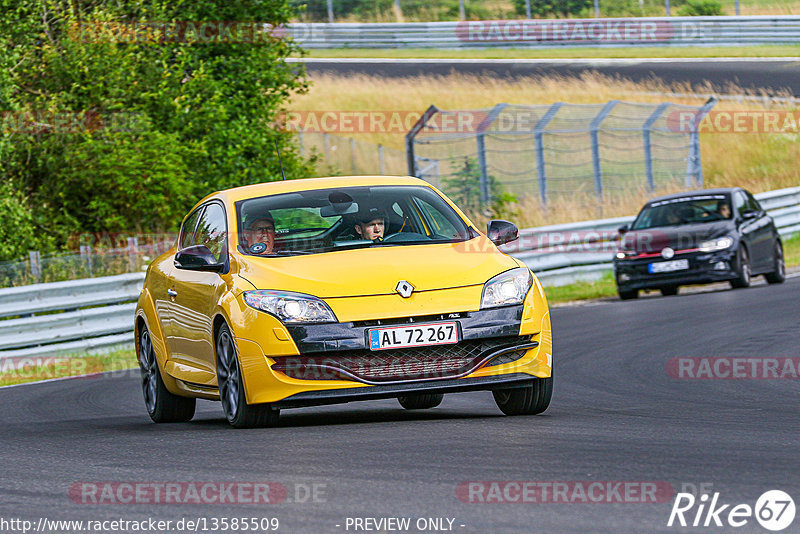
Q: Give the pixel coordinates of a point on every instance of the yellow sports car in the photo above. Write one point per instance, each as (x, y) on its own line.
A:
(328, 290)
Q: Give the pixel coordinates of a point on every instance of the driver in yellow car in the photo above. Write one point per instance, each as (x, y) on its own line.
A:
(260, 235)
(371, 224)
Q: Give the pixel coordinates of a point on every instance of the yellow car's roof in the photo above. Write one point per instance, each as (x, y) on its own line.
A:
(289, 186)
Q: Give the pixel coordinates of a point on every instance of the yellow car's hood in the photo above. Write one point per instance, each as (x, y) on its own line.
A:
(377, 270)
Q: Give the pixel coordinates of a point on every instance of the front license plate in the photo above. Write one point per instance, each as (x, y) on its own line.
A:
(419, 335)
(668, 266)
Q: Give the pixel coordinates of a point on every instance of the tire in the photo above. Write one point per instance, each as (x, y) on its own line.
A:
(231, 388)
(778, 276)
(529, 400)
(628, 295)
(669, 291)
(420, 401)
(162, 406)
(743, 272)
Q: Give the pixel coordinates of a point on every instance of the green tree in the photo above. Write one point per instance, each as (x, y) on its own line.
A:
(549, 8)
(464, 187)
(156, 124)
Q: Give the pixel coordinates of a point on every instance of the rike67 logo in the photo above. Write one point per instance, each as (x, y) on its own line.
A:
(774, 510)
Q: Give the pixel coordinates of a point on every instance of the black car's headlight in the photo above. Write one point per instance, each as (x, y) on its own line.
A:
(720, 243)
(290, 307)
(507, 288)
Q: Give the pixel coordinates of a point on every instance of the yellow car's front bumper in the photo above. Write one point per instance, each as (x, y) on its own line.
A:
(526, 325)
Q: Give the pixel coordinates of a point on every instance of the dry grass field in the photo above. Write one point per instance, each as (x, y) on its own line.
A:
(756, 161)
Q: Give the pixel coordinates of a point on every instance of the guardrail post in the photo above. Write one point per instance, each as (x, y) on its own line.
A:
(300, 140)
(538, 132)
(380, 160)
(86, 258)
(647, 127)
(133, 246)
(412, 133)
(594, 128)
(36, 264)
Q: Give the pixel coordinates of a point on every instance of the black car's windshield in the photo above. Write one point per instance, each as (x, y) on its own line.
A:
(684, 210)
(325, 220)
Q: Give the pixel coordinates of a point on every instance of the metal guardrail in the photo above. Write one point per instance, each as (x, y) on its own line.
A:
(604, 32)
(97, 313)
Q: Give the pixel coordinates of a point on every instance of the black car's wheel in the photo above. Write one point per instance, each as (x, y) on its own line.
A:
(420, 401)
(628, 295)
(529, 400)
(162, 406)
(778, 276)
(742, 270)
(231, 388)
(669, 291)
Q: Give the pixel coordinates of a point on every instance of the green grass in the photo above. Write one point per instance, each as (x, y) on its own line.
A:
(791, 251)
(602, 288)
(565, 53)
(47, 368)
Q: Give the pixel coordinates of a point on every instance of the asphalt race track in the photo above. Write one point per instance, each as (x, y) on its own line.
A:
(770, 75)
(616, 415)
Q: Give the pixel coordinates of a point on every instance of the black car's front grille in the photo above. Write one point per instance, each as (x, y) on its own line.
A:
(417, 363)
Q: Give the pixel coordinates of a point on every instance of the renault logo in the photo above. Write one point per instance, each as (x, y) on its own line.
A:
(404, 288)
(667, 253)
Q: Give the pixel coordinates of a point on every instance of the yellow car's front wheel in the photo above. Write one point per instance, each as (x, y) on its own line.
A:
(528, 400)
(231, 388)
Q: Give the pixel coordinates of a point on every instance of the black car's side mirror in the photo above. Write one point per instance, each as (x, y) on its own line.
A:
(750, 214)
(623, 229)
(501, 232)
(198, 258)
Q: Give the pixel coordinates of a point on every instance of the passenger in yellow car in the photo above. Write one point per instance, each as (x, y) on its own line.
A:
(260, 235)
(371, 224)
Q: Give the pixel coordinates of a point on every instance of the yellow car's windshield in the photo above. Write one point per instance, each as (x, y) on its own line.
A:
(324, 220)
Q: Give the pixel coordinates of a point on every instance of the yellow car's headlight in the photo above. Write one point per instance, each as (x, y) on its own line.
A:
(290, 307)
(507, 288)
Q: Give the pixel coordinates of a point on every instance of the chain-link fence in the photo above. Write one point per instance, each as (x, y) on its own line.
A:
(549, 151)
(90, 262)
(339, 155)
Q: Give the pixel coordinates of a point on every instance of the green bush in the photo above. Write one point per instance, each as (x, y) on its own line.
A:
(171, 121)
(19, 232)
(557, 8)
(700, 8)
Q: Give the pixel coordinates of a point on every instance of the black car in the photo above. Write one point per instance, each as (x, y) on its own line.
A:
(698, 237)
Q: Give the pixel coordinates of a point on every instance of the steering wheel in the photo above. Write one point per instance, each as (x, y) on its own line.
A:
(399, 237)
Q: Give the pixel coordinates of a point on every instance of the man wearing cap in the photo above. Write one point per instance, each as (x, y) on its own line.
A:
(259, 235)
(371, 224)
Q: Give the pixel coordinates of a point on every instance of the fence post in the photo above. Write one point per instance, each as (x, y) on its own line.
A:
(528, 9)
(353, 155)
(538, 132)
(647, 127)
(380, 160)
(300, 140)
(330, 10)
(86, 257)
(694, 167)
(412, 133)
(133, 246)
(486, 194)
(36, 264)
(327, 142)
(666, 6)
(596, 9)
(594, 128)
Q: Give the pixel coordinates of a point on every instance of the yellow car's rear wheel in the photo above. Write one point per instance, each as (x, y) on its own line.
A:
(231, 388)
(162, 406)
